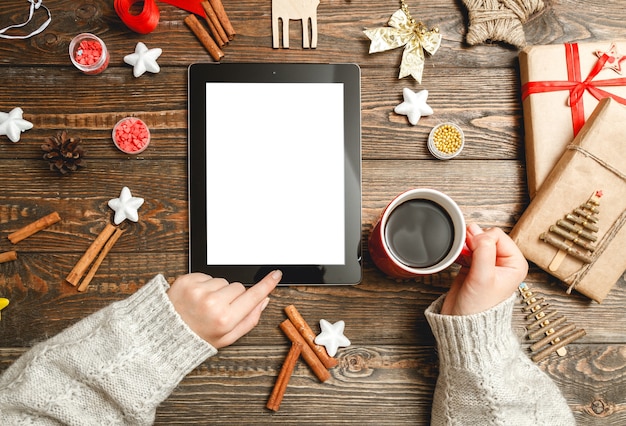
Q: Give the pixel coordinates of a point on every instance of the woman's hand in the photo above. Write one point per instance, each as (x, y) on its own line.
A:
(497, 268)
(217, 311)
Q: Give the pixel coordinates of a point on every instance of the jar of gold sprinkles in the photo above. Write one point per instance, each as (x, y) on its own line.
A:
(446, 141)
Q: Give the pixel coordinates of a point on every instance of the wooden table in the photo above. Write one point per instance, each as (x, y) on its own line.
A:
(388, 374)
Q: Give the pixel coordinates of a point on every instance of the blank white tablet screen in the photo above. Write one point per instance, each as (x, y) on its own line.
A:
(275, 174)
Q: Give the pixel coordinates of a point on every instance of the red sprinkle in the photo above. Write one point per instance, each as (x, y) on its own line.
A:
(131, 135)
(88, 52)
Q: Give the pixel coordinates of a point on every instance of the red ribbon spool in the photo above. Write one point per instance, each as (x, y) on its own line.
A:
(147, 20)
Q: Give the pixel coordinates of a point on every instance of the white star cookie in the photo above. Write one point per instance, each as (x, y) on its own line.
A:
(125, 206)
(12, 124)
(414, 105)
(143, 59)
(332, 336)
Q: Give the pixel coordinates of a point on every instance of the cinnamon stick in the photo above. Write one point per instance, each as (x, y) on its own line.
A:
(218, 7)
(307, 353)
(83, 263)
(8, 256)
(34, 227)
(214, 24)
(280, 387)
(204, 37)
(94, 268)
(309, 336)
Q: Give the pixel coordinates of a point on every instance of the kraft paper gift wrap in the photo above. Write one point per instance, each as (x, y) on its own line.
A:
(561, 86)
(595, 160)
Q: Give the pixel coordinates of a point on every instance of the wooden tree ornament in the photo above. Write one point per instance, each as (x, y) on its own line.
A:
(550, 330)
(285, 10)
(574, 235)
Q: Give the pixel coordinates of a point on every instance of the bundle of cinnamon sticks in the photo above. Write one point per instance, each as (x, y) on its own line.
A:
(221, 30)
(98, 250)
(303, 344)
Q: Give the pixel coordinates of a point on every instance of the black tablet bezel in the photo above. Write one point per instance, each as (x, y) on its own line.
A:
(349, 75)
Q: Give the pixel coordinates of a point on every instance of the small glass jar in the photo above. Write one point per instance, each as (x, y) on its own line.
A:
(446, 141)
(131, 135)
(89, 54)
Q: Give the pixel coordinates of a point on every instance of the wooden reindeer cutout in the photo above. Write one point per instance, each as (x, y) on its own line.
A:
(286, 10)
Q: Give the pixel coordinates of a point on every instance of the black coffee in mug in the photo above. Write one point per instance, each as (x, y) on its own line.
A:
(419, 233)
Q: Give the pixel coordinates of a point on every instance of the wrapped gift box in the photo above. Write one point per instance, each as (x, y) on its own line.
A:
(595, 160)
(561, 86)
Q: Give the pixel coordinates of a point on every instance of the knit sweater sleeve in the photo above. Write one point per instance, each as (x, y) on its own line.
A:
(484, 376)
(113, 367)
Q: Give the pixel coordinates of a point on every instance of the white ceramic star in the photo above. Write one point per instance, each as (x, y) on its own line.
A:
(332, 336)
(414, 105)
(125, 207)
(12, 124)
(143, 59)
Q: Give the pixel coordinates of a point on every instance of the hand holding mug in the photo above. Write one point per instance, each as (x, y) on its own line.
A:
(497, 268)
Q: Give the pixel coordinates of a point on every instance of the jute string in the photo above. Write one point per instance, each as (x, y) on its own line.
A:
(499, 20)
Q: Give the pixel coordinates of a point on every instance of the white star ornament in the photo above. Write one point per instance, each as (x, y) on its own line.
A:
(144, 59)
(125, 206)
(12, 124)
(332, 336)
(414, 105)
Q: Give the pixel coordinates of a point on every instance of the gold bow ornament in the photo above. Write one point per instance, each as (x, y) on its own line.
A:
(414, 36)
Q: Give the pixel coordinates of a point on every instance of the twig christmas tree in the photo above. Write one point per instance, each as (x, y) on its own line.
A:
(547, 328)
(575, 234)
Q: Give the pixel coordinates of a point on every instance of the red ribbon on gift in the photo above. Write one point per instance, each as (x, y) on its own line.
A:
(576, 85)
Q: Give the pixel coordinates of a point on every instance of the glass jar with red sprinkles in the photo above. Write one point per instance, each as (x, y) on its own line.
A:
(89, 54)
(131, 135)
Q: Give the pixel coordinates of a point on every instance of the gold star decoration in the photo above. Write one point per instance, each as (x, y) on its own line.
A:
(499, 20)
(614, 62)
(414, 36)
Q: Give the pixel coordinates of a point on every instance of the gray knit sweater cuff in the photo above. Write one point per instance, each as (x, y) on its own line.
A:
(113, 367)
(161, 328)
(473, 341)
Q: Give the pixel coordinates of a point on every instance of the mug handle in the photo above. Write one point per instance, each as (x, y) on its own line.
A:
(465, 257)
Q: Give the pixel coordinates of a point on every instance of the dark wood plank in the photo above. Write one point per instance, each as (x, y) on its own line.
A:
(491, 123)
(340, 33)
(388, 375)
(372, 385)
(386, 382)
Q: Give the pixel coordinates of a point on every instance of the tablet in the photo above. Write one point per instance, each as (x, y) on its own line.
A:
(275, 172)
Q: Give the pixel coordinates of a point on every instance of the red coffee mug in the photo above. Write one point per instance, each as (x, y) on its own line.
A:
(388, 262)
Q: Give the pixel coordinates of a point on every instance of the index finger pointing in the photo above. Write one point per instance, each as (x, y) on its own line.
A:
(252, 297)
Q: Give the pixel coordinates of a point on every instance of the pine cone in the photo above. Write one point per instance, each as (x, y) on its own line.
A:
(64, 153)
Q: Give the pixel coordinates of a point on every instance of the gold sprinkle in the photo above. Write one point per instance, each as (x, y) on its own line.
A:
(447, 139)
